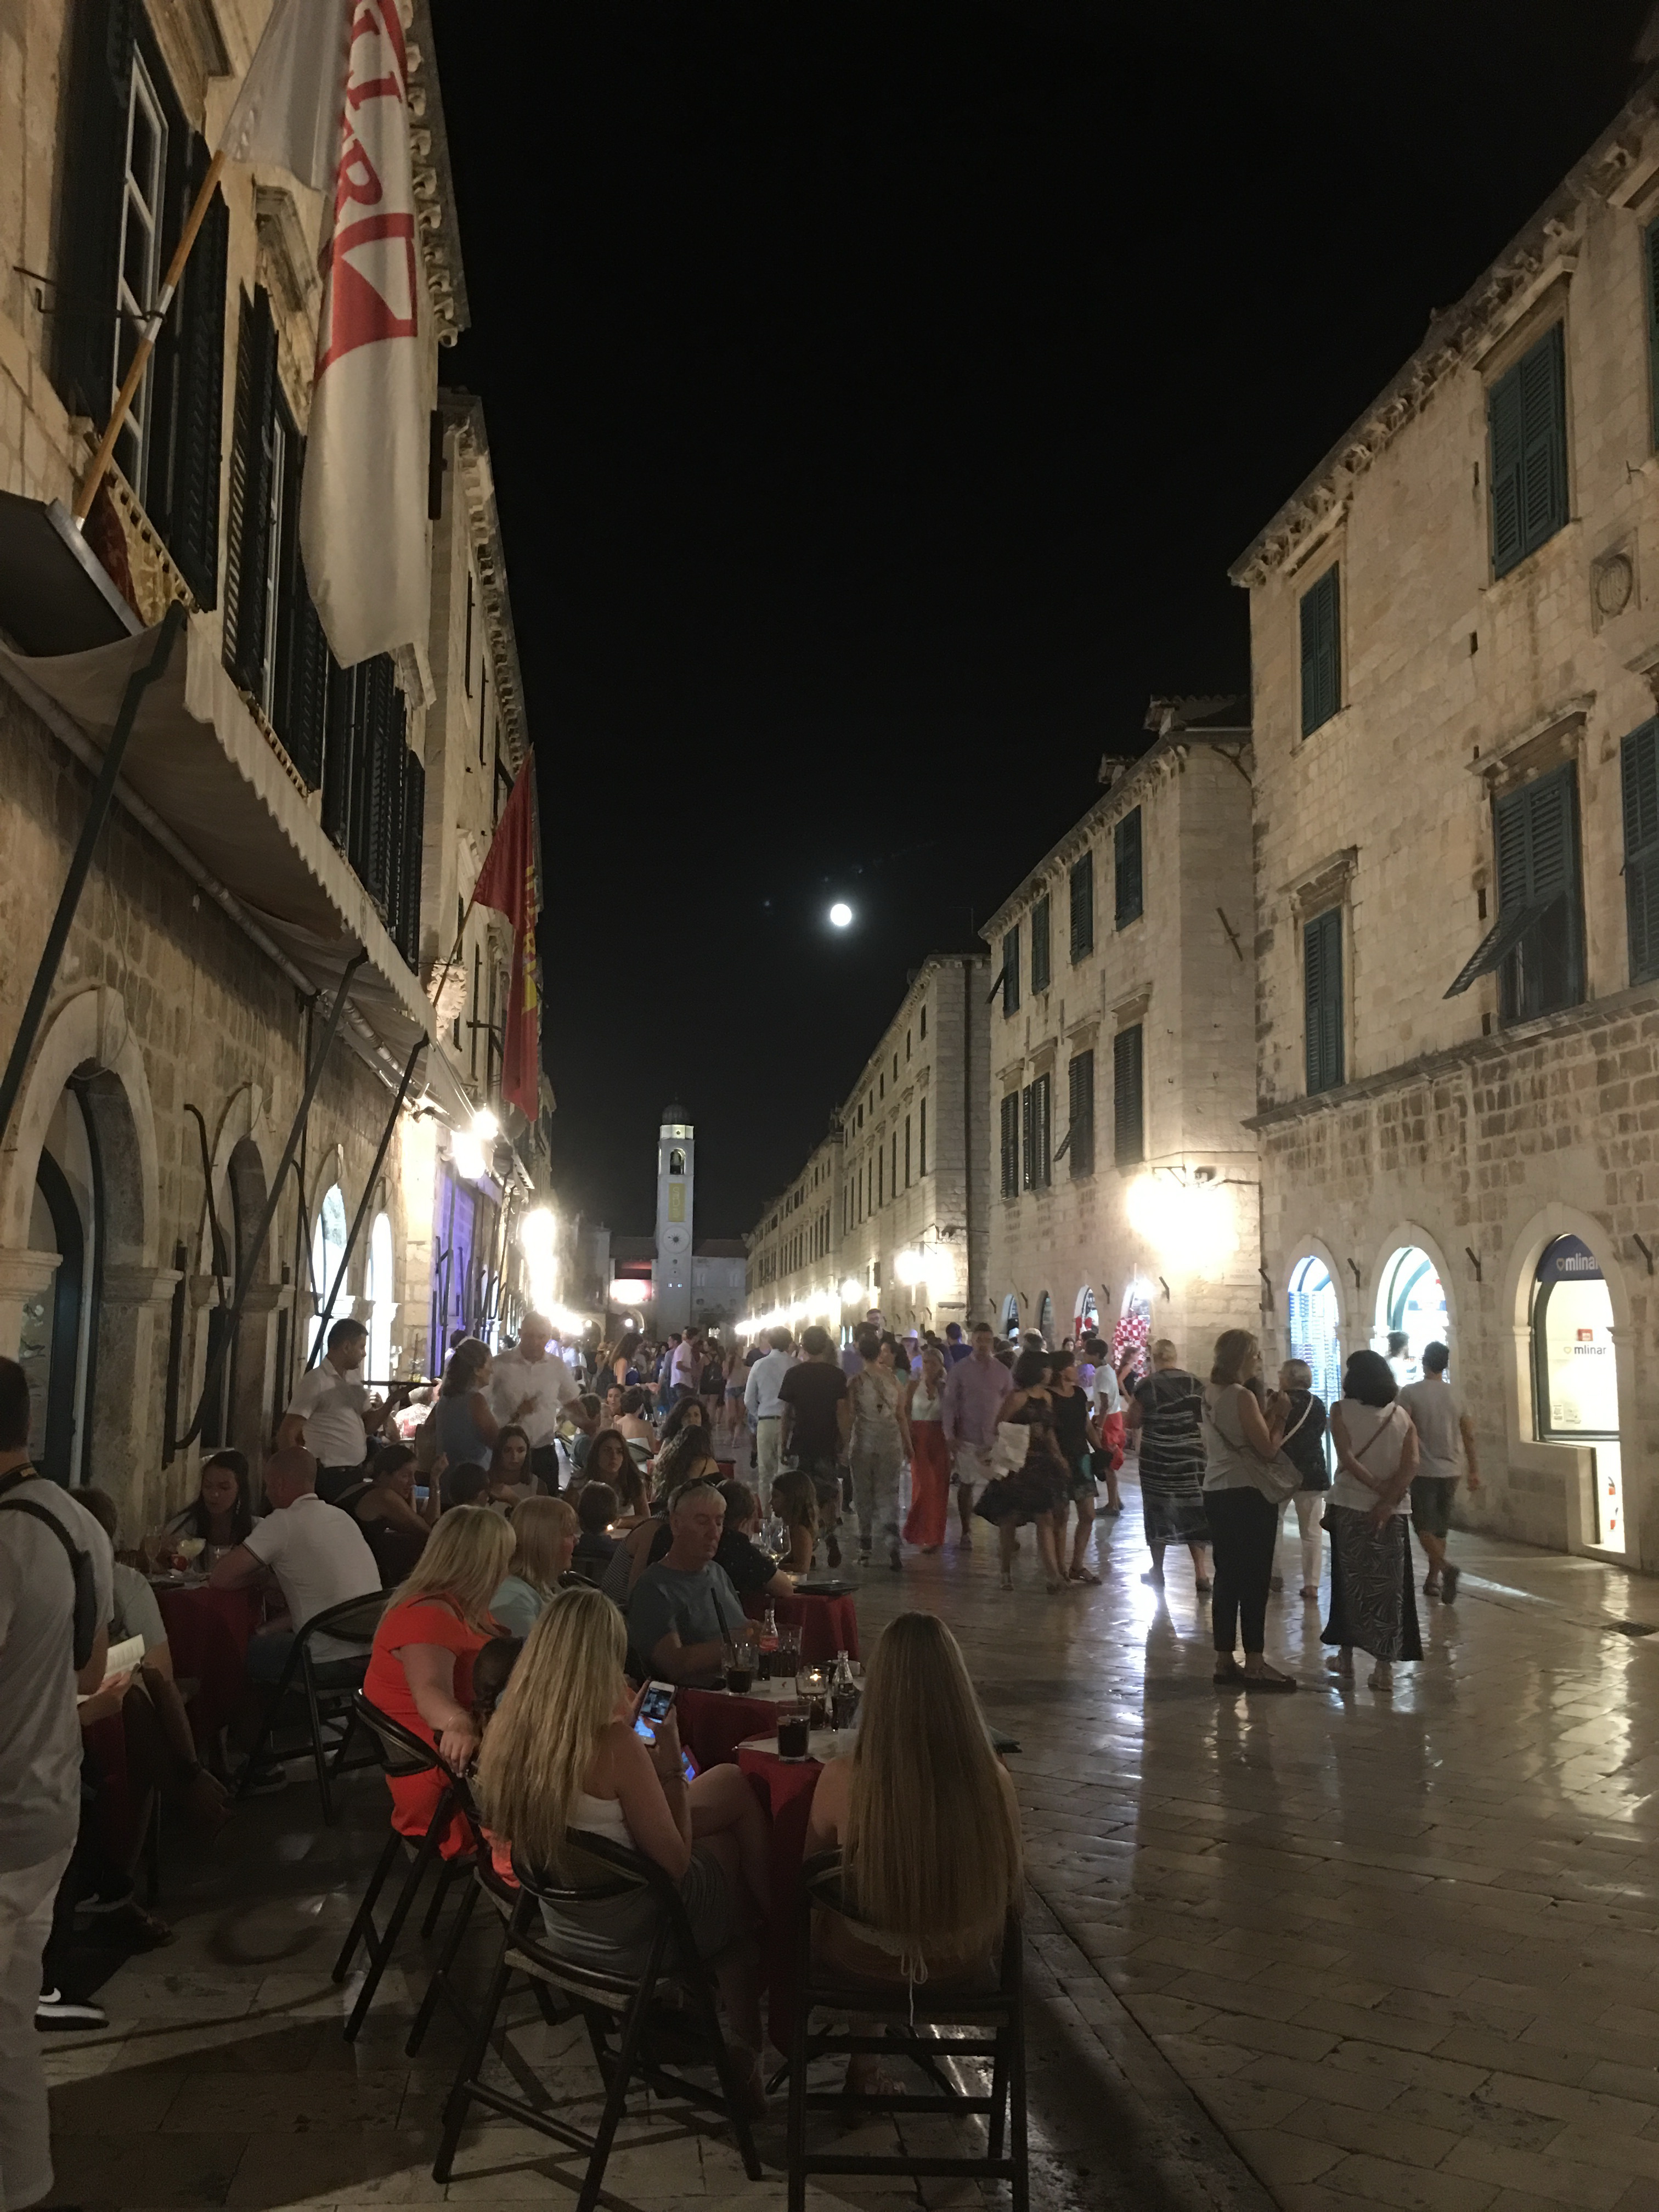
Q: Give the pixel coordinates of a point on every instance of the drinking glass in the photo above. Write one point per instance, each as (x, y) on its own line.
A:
(794, 1732)
(813, 1685)
(787, 1661)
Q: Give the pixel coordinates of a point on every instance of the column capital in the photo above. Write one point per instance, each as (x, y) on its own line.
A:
(130, 1286)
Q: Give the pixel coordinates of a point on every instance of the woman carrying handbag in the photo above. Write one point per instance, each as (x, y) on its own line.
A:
(1246, 1482)
(1373, 1603)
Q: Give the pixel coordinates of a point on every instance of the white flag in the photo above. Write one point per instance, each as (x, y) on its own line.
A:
(362, 507)
(288, 112)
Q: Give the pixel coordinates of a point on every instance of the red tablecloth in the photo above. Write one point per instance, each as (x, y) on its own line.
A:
(207, 1635)
(827, 1625)
(785, 1788)
(713, 1723)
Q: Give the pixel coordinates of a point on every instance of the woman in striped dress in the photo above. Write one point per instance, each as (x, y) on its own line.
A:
(1164, 1414)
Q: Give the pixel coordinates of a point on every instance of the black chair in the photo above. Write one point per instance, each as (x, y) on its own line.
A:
(914, 2012)
(401, 1754)
(631, 2009)
(327, 1704)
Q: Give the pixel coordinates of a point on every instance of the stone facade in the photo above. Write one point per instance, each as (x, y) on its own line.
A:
(126, 1222)
(902, 1172)
(1121, 1178)
(1488, 671)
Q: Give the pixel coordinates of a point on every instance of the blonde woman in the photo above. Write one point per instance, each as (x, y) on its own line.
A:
(546, 1529)
(420, 1671)
(921, 1776)
(1246, 1482)
(561, 1754)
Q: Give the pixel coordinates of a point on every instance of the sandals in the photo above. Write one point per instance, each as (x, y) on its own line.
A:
(1340, 1664)
(1270, 1679)
(1085, 1575)
(1007, 1579)
(1381, 1678)
(1229, 1675)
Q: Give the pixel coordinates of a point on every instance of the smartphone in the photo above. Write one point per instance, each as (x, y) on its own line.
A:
(656, 1702)
(687, 1767)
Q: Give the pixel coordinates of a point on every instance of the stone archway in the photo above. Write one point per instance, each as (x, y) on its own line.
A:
(88, 1049)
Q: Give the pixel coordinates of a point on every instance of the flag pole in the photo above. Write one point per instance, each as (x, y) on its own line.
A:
(152, 330)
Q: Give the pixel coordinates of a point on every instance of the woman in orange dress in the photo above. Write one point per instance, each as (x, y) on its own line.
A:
(420, 1671)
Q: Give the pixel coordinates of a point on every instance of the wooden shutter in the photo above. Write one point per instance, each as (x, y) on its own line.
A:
(1043, 1131)
(1527, 418)
(921, 1140)
(249, 524)
(1129, 1108)
(1650, 285)
(340, 753)
(305, 692)
(1127, 886)
(92, 157)
(1080, 1104)
(1082, 907)
(1010, 1143)
(1639, 775)
(1028, 1136)
(409, 932)
(1040, 961)
(191, 518)
(1321, 973)
(1011, 970)
(1321, 651)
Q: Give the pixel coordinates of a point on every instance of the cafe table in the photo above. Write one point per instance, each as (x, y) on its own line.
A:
(827, 1625)
(208, 1631)
(785, 1787)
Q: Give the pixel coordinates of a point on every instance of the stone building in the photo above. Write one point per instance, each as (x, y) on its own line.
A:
(1122, 1180)
(888, 1212)
(1455, 643)
(277, 816)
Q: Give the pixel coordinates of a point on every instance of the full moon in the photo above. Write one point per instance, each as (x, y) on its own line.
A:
(841, 913)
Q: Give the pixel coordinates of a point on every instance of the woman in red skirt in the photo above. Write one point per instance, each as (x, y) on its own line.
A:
(929, 1455)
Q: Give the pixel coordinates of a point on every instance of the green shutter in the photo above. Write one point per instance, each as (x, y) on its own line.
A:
(1129, 884)
(1526, 419)
(250, 493)
(1639, 775)
(191, 497)
(1082, 907)
(1128, 1109)
(1010, 1143)
(1321, 651)
(1321, 975)
(1081, 1104)
(1040, 964)
(409, 917)
(1651, 286)
(1011, 970)
(93, 143)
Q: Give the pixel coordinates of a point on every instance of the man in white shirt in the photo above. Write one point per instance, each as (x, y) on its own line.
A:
(685, 1372)
(764, 1408)
(530, 1375)
(1437, 1415)
(331, 1412)
(39, 1761)
(318, 1557)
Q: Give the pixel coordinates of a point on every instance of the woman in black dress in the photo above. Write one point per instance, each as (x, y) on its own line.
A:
(1040, 1489)
(1079, 1440)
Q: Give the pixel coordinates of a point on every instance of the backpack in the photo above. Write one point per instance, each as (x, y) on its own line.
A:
(87, 1621)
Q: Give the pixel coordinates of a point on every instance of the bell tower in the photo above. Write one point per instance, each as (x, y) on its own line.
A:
(671, 1273)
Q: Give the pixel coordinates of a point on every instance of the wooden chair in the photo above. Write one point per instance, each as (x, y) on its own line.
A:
(325, 1703)
(402, 1754)
(913, 2013)
(633, 2031)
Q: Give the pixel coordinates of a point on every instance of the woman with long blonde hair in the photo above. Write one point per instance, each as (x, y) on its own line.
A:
(926, 1818)
(545, 1531)
(1246, 1482)
(561, 1754)
(420, 1670)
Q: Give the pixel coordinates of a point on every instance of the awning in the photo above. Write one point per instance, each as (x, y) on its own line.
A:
(1500, 940)
(198, 758)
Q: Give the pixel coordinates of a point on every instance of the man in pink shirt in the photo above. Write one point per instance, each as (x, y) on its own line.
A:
(969, 1409)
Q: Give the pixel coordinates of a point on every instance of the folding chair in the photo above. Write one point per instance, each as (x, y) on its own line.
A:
(325, 1703)
(915, 2012)
(626, 2006)
(401, 1754)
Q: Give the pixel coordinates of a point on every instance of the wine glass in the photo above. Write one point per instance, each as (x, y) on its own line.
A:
(190, 1549)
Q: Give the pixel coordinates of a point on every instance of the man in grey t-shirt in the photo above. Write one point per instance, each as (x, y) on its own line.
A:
(681, 1611)
(40, 1762)
(1437, 1415)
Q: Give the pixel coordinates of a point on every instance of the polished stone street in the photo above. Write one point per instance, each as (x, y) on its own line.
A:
(1325, 1951)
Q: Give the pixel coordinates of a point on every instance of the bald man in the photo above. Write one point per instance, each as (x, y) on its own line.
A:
(317, 1554)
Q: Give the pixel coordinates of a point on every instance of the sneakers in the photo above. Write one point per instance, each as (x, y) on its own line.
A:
(53, 2010)
(1382, 1678)
(123, 1920)
(265, 1780)
(1431, 1586)
(1449, 1576)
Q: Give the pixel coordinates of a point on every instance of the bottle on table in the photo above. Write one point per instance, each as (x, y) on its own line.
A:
(768, 1652)
(843, 1693)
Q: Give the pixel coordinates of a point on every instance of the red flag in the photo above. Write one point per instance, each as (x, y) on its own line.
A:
(507, 882)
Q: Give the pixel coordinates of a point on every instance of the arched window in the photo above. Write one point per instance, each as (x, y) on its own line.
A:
(382, 1307)
(1313, 1326)
(1011, 1317)
(1411, 1304)
(328, 1244)
(1086, 1321)
(1045, 1319)
(1575, 1374)
(676, 1164)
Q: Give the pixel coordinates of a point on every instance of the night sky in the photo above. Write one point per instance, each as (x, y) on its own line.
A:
(878, 394)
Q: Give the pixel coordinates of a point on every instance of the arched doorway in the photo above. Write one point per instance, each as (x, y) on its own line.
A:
(1134, 1327)
(1575, 1374)
(328, 1245)
(1315, 1323)
(1011, 1317)
(1086, 1320)
(1045, 1319)
(382, 1306)
(52, 1344)
(1410, 1303)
